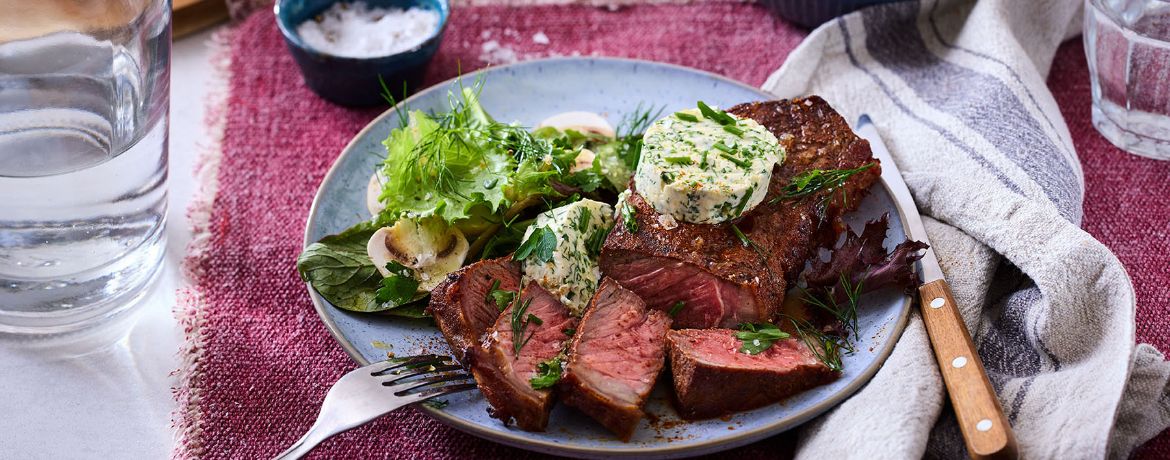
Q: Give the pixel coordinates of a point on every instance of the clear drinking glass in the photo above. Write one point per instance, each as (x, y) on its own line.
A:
(1127, 43)
(84, 90)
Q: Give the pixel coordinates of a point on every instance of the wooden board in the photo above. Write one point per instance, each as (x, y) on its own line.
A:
(191, 16)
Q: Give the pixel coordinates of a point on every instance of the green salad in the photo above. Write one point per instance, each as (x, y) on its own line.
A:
(459, 186)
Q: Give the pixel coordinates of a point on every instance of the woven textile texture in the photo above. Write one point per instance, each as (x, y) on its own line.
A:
(260, 359)
(1127, 207)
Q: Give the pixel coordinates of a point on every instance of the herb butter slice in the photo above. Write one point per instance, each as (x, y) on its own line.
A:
(572, 273)
(706, 166)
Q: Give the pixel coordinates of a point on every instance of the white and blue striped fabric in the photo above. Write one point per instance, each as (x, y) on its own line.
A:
(957, 90)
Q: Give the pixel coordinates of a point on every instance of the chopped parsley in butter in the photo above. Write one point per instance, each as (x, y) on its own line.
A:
(572, 275)
(706, 170)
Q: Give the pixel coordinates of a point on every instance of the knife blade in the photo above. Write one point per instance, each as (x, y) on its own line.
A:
(986, 431)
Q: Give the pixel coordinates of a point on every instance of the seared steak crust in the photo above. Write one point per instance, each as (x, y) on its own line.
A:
(503, 374)
(615, 358)
(750, 280)
(712, 378)
(461, 306)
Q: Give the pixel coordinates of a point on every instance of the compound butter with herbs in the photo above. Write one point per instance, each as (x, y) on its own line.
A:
(571, 273)
(706, 166)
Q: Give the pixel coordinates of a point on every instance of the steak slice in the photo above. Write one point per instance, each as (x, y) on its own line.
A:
(720, 280)
(503, 374)
(615, 358)
(712, 378)
(462, 306)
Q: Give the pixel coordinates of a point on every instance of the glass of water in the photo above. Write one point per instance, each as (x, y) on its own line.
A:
(1127, 43)
(84, 90)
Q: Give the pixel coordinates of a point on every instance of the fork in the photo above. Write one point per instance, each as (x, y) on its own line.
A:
(369, 392)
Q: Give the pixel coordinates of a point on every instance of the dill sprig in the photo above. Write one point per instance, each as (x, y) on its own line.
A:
(811, 182)
(629, 133)
(846, 311)
(520, 322)
(825, 347)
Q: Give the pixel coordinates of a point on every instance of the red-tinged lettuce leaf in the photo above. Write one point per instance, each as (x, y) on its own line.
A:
(862, 259)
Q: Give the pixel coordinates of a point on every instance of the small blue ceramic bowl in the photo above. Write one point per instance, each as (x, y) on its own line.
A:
(353, 81)
(812, 13)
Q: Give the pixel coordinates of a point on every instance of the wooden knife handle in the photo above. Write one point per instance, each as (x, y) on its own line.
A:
(985, 428)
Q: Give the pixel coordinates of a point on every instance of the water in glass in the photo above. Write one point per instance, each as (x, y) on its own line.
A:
(83, 153)
(1127, 43)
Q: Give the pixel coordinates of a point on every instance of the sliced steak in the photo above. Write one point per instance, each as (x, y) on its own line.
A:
(615, 358)
(462, 306)
(503, 374)
(720, 280)
(712, 378)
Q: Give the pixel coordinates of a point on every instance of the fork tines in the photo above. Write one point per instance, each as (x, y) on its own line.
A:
(423, 373)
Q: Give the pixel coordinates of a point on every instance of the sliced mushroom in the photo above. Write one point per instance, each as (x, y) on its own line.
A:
(373, 192)
(430, 247)
(585, 122)
(583, 161)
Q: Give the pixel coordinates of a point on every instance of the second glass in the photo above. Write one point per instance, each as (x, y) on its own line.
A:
(84, 90)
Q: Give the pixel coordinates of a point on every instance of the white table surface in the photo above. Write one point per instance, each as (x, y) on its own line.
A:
(108, 394)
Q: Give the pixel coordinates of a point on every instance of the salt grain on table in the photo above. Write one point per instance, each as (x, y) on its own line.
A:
(356, 30)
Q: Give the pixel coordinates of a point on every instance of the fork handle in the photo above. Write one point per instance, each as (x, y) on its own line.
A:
(985, 428)
(307, 442)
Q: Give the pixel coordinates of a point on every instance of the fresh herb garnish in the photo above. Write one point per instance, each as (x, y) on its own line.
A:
(597, 240)
(583, 220)
(686, 117)
(757, 337)
(811, 182)
(629, 218)
(744, 201)
(703, 162)
(569, 331)
(398, 288)
(824, 346)
(741, 163)
(721, 146)
(629, 134)
(845, 312)
(733, 130)
(540, 245)
(718, 116)
(519, 323)
(501, 297)
(495, 286)
(667, 177)
(436, 403)
(742, 237)
(679, 160)
(676, 308)
(548, 373)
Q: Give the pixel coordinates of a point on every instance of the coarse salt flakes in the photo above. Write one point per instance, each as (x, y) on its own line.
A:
(356, 30)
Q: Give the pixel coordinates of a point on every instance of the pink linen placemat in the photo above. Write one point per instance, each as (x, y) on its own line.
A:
(258, 359)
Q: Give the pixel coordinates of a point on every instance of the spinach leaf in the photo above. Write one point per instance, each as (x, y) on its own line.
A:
(339, 269)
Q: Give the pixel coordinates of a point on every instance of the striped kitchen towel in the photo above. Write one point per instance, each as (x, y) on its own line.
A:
(958, 92)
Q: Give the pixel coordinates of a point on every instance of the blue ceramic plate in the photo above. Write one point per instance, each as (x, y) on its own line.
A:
(526, 93)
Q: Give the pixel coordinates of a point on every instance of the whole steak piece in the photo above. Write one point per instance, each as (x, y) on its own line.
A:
(462, 305)
(615, 358)
(509, 356)
(709, 274)
(713, 378)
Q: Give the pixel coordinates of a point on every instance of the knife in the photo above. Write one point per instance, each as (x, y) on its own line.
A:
(985, 428)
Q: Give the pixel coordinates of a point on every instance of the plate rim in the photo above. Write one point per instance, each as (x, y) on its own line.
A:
(737, 439)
